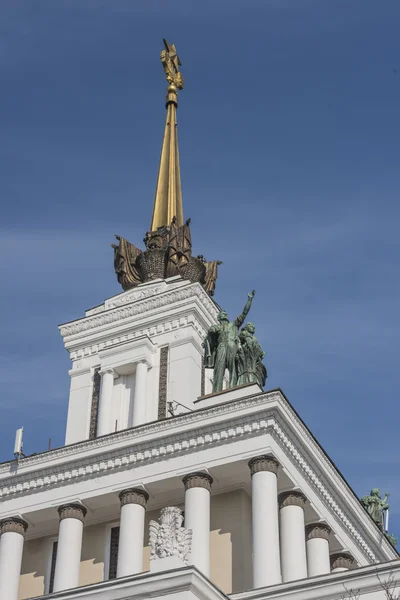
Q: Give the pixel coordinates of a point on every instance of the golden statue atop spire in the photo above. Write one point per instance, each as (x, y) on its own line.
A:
(171, 63)
(168, 243)
(168, 198)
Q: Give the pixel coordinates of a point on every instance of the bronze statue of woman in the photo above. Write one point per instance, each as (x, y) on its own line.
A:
(250, 368)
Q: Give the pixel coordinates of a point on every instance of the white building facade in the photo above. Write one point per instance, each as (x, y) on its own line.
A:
(270, 515)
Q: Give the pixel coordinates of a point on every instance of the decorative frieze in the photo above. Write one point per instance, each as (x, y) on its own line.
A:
(72, 511)
(13, 525)
(163, 383)
(134, 496)
(318, 530)
(341, 560)
(198, 480)
(263, 463)
(292, 498)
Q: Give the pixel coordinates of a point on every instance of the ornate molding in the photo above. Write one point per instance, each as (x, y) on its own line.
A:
(96, 310)
(94, 458)
(198, 480)
(341, 560)
(134, 297)
(13, 525)
(72, 511)
(292, 498)
(134, 496)
(263, 463)
(317, 530)
(108, 317)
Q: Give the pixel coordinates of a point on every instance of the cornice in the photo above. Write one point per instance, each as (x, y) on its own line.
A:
(188, 433)
(128, 435)
(138, 307)
(187, 580)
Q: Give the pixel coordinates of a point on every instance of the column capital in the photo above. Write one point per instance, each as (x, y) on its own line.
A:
(109, 370)
(198, 480)
(13, 525)
(72, 511)
(341, 560)
(134, 496)
(292, 498)
(263, 463)
(143, 361)
(317, 530)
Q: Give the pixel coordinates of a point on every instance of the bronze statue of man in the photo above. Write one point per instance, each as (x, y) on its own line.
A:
(221, 346)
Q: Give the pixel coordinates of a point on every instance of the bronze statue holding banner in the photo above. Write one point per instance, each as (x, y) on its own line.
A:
(375, 505)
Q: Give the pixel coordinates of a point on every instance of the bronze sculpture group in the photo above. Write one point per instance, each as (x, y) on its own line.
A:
(239, 352)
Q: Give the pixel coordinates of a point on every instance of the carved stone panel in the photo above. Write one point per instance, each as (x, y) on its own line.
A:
(163, 383)
(53, 566)
(94, 411)
(203, 377)
(114, 544)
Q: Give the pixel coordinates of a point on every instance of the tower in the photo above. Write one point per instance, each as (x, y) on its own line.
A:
(167, 414)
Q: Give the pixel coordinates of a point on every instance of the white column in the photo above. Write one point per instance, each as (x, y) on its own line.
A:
(293, 536)
(131, 531)
(139, 399)
(318, 559)
(104, 424)
(197, 518)
(341, 561)
(12, 532)
(265, 521)
(69, 547)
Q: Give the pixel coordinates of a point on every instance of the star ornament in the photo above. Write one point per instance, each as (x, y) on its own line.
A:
(173, 55)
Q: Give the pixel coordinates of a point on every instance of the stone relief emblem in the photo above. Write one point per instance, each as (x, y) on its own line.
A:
(169, 538)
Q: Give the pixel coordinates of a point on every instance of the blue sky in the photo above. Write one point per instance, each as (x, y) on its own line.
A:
(290, 148)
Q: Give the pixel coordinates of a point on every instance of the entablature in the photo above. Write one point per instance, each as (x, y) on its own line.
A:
(171, 306)
(211, 438)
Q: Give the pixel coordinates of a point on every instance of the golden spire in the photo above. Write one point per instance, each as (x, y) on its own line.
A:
(168, 198)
